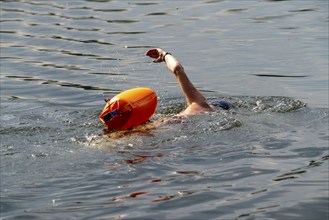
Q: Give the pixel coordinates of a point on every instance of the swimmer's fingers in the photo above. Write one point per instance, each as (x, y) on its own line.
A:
(155, 53)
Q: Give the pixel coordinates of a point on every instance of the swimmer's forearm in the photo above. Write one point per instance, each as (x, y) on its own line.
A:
(172, 63)
(192, 94)
(196, 101)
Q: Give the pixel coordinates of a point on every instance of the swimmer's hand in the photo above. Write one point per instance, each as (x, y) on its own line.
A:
(157, 54)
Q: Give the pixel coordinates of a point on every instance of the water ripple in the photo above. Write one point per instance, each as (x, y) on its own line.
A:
(124, 21)
(48, 4)
(278, 75)
(110, 10)
(79, 40)
(60, 83)
(270, 18)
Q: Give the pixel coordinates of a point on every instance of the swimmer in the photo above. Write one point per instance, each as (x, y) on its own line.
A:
(196, 102)
(120, 112)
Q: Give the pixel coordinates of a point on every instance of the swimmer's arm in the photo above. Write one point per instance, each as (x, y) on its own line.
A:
(196, 101)
(191, 93)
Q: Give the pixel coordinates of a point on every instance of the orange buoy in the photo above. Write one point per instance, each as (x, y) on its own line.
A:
(130, 108)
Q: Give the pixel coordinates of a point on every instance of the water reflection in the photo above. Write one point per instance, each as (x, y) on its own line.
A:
(139, 159)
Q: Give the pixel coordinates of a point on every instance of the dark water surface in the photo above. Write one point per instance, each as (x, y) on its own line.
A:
(267, 158)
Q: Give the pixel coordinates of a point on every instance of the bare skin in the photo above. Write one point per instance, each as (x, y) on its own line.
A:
(197, 103)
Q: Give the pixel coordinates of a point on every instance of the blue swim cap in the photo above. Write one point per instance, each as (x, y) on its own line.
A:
(222, 104)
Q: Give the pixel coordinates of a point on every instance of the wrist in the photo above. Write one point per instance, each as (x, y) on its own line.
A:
(164, 54)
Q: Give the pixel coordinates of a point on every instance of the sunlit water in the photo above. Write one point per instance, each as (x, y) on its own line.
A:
(266, 158)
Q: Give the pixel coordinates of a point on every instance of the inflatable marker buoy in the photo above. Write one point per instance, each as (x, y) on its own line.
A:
(128, 109)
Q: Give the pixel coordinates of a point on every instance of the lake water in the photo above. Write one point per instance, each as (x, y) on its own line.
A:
(265, 159)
